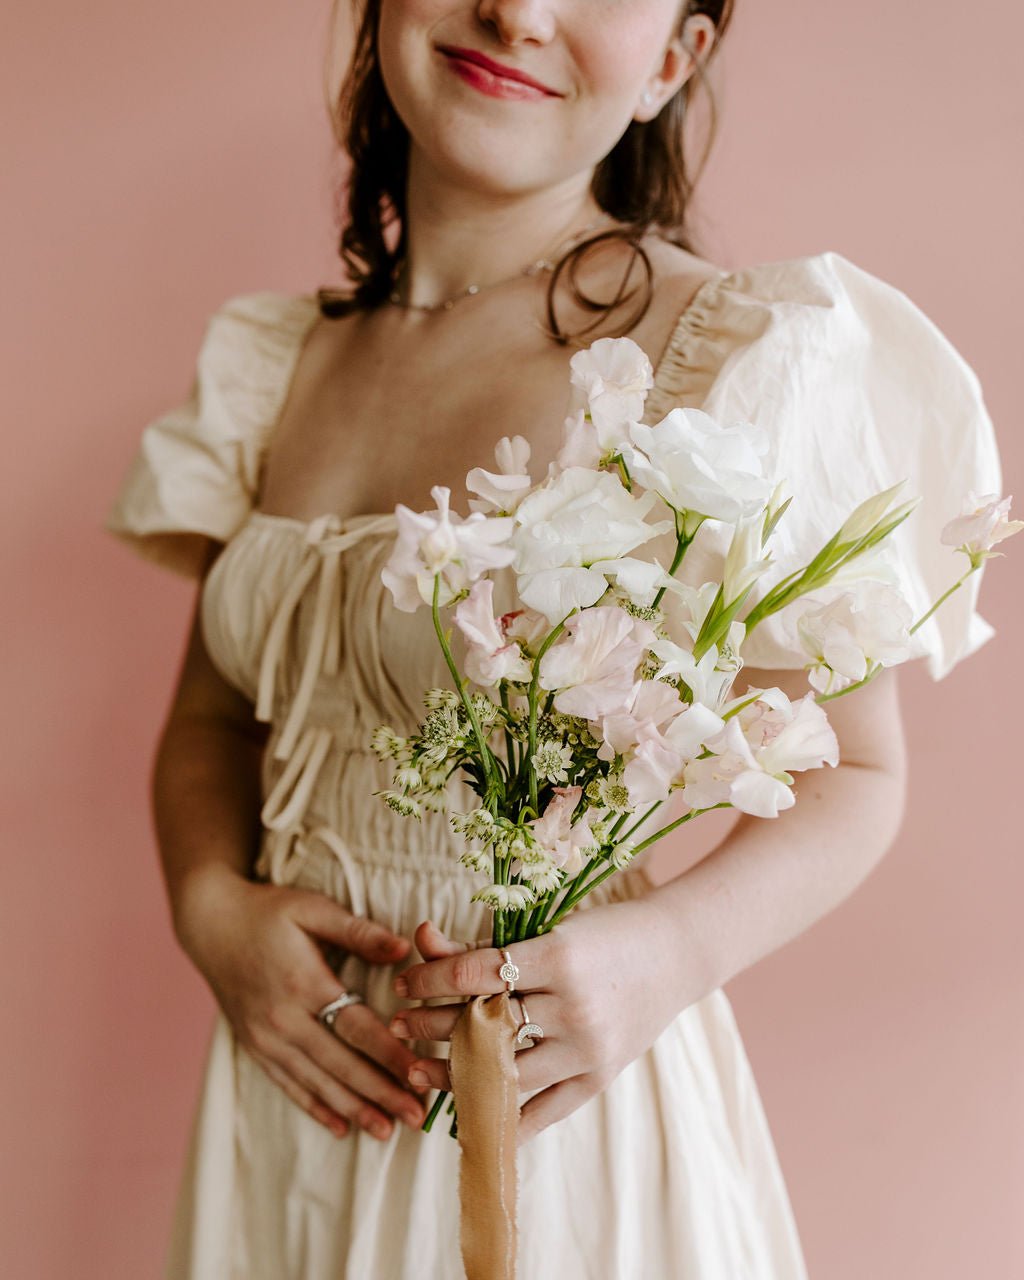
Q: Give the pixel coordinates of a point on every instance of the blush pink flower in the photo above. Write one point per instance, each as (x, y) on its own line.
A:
(490, 655)
(554, 831)
(980, 525)
(594, 669)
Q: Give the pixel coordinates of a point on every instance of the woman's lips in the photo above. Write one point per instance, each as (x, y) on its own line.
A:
(495, 86)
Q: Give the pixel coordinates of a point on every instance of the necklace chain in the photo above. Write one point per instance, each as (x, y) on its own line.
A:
(531, 269)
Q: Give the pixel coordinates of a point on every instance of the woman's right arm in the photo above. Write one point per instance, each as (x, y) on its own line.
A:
(257, 944)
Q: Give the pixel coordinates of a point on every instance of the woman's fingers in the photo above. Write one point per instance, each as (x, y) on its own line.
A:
(472, 973)
(301, 1096)
(335, 1060)
(326, 918)
(363, 1030)
(555, 1103)
(538, 1067)
(432, 1022)
(339, 1097)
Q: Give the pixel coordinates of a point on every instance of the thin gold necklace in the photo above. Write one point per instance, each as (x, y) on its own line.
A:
(532, 269)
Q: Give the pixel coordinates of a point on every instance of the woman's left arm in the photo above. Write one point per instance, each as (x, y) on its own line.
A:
(610, 978)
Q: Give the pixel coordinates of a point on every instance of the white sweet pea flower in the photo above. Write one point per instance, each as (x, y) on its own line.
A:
(580, 445)
(711, 679)
(651, 706)
(502, 490)
(756, 753)
(700, 466)
(567, 532)
(611, 379)
(490, 655)
(980, 525)
(662, 754)
(593, 669)
(844, 638)
(441, 542)
(744, 563)
(637, 579)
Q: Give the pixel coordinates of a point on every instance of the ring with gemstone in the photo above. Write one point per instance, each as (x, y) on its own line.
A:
(509, 972)
(330, 1011)
(531, 1031)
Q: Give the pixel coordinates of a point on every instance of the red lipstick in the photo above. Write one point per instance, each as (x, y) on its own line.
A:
(494, 77)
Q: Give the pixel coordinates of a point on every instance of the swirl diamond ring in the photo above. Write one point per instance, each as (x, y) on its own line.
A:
(509, 972)
(330, 1011)
(531, 1031)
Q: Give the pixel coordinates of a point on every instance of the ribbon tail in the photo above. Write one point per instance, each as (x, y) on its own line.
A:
(486, 1088)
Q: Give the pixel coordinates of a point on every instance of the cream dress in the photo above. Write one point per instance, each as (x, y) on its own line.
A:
(670, 1173)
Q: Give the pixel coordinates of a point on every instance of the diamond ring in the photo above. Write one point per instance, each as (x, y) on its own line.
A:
(531, 1031)
(331, 1010)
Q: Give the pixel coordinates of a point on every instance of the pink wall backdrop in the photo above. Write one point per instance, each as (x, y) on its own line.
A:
(160, 158)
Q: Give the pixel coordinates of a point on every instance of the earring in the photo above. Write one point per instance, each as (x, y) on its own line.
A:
(647, 97)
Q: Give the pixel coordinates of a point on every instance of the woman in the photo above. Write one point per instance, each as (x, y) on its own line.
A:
(645, 1151)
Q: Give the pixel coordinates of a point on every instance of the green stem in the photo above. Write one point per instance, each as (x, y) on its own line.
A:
(687, 817)
(683, 541)
(859, 684)
(434, 1111)
(945, 596)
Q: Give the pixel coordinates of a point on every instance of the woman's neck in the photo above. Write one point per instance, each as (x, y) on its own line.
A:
(456, 236)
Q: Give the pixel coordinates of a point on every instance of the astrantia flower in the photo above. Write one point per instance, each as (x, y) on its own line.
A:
(981, 524)
(543, 876)
(566, 527)
(476, 859)
(506, 897)
(408, 779)
(386, 744)
(438, 542)
(701, 466)
(866, 626)
(551, 762)
(622, 854)
(593, 669)
(405, 805)
(476, 823)
(501, 490)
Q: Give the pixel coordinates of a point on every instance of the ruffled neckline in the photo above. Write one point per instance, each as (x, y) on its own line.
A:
(690, 321)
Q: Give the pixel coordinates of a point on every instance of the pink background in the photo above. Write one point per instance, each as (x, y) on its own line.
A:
(160, 158)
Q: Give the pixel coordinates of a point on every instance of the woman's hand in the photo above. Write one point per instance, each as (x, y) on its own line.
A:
(603, 985)
(256, 945)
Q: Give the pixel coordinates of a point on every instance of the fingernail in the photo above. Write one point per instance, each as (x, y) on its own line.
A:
(418, 1077)
(400, 1028)
(381, 1129)
(413, 1118)
(401, 987)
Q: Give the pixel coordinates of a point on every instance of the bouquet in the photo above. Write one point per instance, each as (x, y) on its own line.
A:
(613, 683)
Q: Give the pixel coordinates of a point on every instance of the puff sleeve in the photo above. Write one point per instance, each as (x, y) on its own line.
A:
(857, 389)
(196, 470)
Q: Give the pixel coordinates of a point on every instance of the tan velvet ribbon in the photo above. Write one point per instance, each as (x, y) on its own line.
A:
(485, 1083)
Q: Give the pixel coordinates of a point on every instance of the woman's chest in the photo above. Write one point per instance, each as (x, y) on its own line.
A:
(366, 428)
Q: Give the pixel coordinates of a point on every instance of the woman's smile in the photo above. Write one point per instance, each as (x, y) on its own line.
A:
(493, 84)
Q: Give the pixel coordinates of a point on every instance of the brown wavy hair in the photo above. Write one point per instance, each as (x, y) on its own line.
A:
(646, 182)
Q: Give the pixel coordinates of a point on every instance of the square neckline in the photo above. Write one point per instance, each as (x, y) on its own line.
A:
(284, 521)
